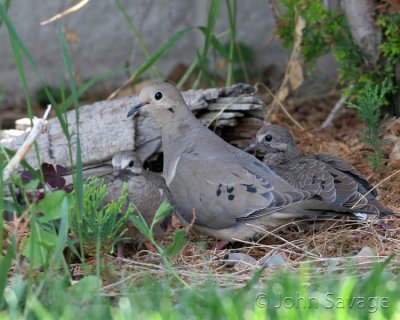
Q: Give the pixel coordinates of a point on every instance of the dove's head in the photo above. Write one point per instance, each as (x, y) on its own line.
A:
(277, 143)
(127, 161)
(159, 98)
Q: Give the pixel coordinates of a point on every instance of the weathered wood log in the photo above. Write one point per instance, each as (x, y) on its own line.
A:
(104, 128)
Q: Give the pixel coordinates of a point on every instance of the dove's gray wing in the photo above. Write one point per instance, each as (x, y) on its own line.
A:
(345, 167)
(330, 185)
(159, 181)
(335, 188)
(223, 192)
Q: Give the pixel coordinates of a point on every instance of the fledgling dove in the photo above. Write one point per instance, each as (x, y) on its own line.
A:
(327, 176)
(226, 192)
(146, 190)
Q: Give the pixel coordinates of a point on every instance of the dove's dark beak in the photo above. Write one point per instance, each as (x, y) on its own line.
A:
(251, 147)
(136, 108)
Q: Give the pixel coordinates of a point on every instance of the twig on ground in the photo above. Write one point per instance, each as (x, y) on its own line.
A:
(379, 183)
(334, 112)
(294, 73)
(280, 104)
(38, 125)
(223, 109)
(70, 10)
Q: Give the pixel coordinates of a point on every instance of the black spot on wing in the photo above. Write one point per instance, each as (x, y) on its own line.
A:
(230, 189)
(250, 188)
(313, 179)
(219, 190)
(266, 195)
(231, 197)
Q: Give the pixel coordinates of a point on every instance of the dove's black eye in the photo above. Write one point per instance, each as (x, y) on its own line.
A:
(131, 163)
(158, 96)
(268, 138)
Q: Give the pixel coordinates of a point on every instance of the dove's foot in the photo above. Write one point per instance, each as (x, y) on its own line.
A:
(149, 247)
(220, 245)
(120, 250)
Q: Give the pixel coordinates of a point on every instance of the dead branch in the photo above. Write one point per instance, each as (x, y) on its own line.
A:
(38, 126)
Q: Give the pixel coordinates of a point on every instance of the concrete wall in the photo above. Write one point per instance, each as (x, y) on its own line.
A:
(103, 40)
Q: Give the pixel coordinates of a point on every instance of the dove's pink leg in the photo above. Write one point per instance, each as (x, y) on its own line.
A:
(120, 250)
(220, 245)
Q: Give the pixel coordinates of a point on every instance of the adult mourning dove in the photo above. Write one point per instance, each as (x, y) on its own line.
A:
(226, 192)
(146, 191)
(327, 176)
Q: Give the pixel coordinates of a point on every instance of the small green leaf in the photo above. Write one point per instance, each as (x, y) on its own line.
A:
(31, 185)
(141, 226)
(42, 247)
(51, 205)
(38, 309)
(177, 243)
(163, 211)
(87, 288)
(62, 231)
(5, 264)
(1, 94)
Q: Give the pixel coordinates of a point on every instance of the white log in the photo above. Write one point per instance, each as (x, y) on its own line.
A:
(104, 128)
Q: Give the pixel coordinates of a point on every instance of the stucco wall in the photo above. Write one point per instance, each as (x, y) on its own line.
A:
(105, 41)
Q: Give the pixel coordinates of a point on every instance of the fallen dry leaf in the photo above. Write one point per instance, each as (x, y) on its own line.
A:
(296, 75)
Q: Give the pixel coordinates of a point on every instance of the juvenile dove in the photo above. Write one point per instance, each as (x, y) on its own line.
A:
(146, 191)
(327, 176)
(226, 192)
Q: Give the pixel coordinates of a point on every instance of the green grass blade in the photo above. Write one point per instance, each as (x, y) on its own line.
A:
(5, 264)
(62, 232)
(232, 43)
(137, 35)
(2, 165)
(188, 73)
(6, 6)
(69, 101)
(20, 67)
(161, 52)
(78, 183)
(216, 44)
(203, 72)
(211, 22)
(25, 53)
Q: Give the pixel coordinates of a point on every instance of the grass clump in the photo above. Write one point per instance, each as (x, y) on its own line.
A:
(102, 224)
(369, 105)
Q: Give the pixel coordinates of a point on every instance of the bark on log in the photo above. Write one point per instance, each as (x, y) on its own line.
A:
(104, 128)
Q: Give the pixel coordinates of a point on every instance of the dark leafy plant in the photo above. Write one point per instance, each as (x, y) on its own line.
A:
(53, 180)
(327, 31)
(369, 104)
